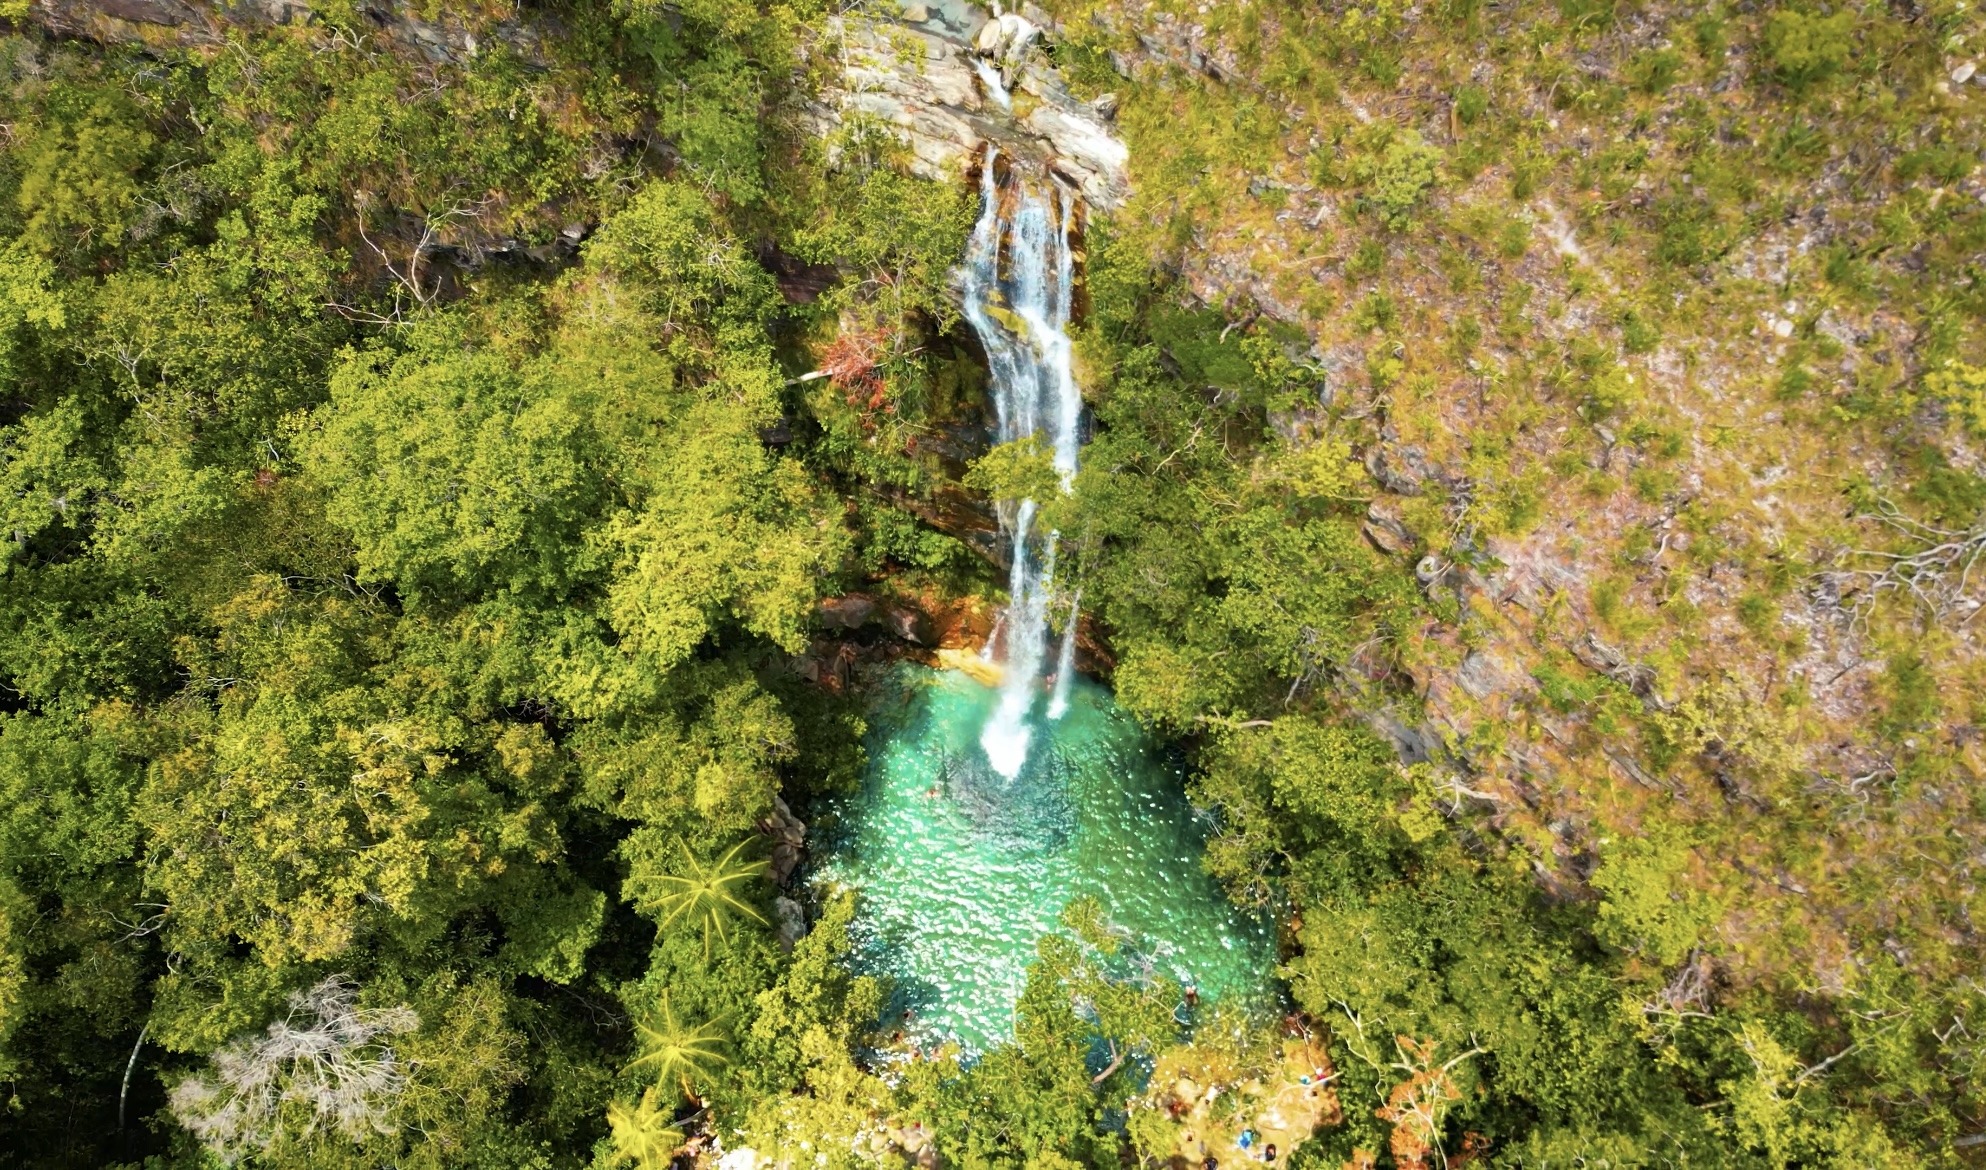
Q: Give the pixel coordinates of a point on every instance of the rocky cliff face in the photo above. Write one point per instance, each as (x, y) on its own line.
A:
(456, 33)
(948, 79)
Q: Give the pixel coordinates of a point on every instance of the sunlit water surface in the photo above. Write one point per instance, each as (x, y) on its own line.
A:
(961, 870)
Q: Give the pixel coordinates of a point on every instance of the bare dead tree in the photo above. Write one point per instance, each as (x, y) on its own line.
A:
(1687, 994)
(328, 1055)
(1937, 573)
(409, 282)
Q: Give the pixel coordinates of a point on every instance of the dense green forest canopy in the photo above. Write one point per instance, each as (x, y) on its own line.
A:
(415, 508)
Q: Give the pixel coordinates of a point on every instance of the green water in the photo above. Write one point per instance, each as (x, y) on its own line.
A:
(961, 870)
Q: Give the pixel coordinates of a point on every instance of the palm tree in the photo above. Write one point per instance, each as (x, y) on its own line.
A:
(642, 1134)
(710, 892)
(672, 1049)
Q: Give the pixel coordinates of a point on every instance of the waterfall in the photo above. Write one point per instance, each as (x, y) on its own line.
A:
(1020, 310)
(1065, 661)
(996, 89)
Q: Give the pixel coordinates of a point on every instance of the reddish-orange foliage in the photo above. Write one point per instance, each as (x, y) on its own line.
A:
(1416, 1105)
(851, 363)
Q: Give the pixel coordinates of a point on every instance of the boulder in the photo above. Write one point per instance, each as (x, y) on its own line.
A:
(1385, 530)
(911, 624)
(790, 922)
(851, 612)
(789, 842)
(1401, 469)
(1484, 673)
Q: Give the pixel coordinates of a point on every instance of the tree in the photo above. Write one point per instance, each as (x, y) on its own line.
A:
(708, 892)
(79, 167)
(643, 1133)
(1115, 989)
(1647, 902)
(455, 472)
(1417, 1104)
(674, 1050)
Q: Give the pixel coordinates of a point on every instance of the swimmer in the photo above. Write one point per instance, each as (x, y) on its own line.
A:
(1192, 996)
(931, 793)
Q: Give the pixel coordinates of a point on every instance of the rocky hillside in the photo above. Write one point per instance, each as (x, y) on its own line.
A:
(1651, 327)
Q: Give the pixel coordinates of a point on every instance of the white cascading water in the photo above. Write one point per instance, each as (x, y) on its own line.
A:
(1020, 312)
(989, 77)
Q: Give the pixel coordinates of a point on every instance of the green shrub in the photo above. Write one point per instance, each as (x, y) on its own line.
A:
(1397, 180)
(1369, 260)
(1804, 48)
(1470, 104)
(1377, 311)
(1653, 72)
(1962, 388)
(1638, 333)
(1946, 164)
(1564, 691)
(1759, 614)
(1514, 240)
(1687, 232)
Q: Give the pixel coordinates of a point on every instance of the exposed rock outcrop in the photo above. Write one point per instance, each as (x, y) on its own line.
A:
(449, 37)
(789, 841)
(940, 86)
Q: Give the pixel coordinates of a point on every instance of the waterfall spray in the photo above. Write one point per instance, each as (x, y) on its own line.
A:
(1065, 661)
(1021, 313)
